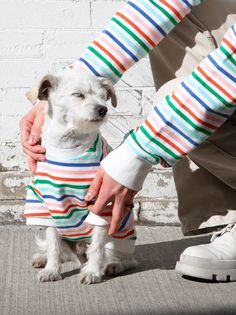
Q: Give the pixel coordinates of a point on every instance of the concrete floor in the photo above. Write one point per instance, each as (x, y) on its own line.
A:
(152, 288)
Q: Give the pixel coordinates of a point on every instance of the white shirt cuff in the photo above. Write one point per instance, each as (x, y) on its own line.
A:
(126, 168)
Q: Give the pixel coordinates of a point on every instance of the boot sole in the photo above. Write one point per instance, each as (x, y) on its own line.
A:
(196, 268)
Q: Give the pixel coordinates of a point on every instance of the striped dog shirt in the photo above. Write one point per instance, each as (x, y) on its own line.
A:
(55, 197)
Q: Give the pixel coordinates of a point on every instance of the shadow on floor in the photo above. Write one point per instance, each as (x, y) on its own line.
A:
(161, 255)
(165, 254)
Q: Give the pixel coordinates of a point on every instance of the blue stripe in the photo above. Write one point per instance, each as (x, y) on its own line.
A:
(72, 164)
(174, 127)
(148, 18)
(188, 4)
(121, 45)
(32, 201)
(72, 226)
(89, 66)
(201, 102)
(233, 28)
(61, 198)
(123, 224)
(221, 69)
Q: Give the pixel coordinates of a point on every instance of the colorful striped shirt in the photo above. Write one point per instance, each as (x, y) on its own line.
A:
(196, 109)
(56, 195)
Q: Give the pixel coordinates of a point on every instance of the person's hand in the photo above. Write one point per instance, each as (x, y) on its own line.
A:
(31, 127)
(106, 190)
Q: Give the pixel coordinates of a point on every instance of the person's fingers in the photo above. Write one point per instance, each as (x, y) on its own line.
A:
(117, 215)
(35, 156)
(36, 129)
(100, 204)
(32, 164)
(36, 149)
(95, 186)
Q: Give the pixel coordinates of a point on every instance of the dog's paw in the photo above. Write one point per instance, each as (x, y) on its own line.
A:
(113, 269)
(88, 276)
(39, 260)
(48, 275)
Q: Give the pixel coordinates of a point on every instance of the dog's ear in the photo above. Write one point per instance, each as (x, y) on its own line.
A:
(111, 94)
(42, 89)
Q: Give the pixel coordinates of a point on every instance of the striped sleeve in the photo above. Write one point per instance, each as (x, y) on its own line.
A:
(181, 121)
(131, 33)
(194, 111)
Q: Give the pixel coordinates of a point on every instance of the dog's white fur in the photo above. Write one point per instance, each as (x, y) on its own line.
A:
(76, 109)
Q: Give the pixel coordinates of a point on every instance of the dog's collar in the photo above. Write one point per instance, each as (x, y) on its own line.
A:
(67, 153)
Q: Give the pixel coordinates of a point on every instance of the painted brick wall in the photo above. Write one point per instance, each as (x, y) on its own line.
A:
(37, 37)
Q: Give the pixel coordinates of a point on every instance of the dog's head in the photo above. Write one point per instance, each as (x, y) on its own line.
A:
(78, 101)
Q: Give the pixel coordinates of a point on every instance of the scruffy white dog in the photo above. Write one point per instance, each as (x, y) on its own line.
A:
(55, 198)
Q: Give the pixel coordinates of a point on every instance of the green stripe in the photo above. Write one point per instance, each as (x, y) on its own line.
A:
(228, 55)
(75, 239)
(94, 148)
(41, 181)
(164, 12)
(135, 140)
(220, 98)
(186, 119)
(69, 215)
(133, 238)
(34, 192)
(105, 61)
(141, 43)
(159, 144)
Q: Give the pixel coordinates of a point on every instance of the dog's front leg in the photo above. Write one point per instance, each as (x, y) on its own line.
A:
(52, 270)
(91, 272)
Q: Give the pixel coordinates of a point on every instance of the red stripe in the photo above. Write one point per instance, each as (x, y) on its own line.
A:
(67, 209)
(164, 138)
(110, 55)
(172, 9)
(78, 234)
(215, 84)
(64, 179)
(137, 29)
(43, 214)
(192, 114)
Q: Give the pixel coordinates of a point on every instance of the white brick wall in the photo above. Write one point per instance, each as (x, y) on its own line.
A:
(38, 36)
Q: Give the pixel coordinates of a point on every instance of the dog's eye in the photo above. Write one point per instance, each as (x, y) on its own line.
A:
(79, 95)
(108, 95)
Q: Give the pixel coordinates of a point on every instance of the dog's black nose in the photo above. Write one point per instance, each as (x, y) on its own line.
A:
(101, 110)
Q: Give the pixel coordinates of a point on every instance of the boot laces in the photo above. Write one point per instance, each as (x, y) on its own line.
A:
(226, 229)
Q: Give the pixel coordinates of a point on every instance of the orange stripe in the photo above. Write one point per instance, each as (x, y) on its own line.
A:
(128, 234)
(215, 84)
(110, 55)
(137, 29)
(64, 179)
(172, 9)
(164, 138)
(229, 44)
(192, 114)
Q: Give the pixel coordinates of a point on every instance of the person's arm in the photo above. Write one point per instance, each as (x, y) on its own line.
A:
(130, 35)
(181, 121)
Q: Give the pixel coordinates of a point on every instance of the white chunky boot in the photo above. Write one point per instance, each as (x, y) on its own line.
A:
(214, 261)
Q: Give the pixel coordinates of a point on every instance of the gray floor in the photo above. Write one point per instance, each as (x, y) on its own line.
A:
(153, 288)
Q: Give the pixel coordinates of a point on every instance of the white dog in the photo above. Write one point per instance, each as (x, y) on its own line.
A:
(55, 198)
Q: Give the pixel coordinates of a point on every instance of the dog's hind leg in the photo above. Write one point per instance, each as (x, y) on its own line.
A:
(117, 262)
(91, 272)
(51, 272)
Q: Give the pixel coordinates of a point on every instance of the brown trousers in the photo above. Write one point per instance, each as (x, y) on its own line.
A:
(205, 180)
